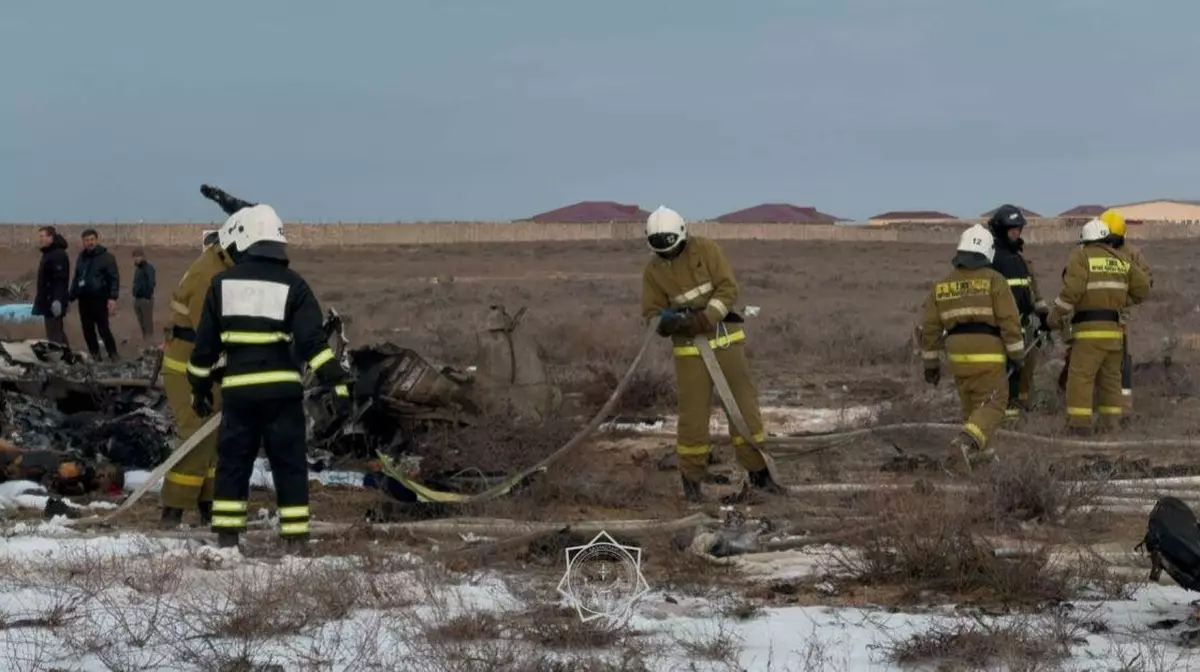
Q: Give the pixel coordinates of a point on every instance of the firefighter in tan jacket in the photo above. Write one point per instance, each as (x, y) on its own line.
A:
(691, 285)
(1116, 228)
(973, 316)
(1099, 283)
(189, 484)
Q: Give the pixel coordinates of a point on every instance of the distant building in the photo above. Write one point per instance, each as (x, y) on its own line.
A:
(591, 212)
(1081, 213)
(911, 217)
(1029, 214)
(778, 213)
(1162, 210)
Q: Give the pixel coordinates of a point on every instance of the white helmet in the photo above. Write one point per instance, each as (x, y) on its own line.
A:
(979, 240)
(1095, 230)
(209, 237)
(665, 230)
(250, 226)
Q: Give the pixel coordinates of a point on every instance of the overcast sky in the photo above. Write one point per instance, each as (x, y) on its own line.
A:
(497, 109)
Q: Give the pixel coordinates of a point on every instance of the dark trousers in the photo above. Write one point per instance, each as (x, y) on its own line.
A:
(56, 330)
(144, 309)
(93, 317)
(278, 425)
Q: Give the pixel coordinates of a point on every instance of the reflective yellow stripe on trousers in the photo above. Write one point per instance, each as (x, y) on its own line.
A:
(991, 358)
(174, 365)
(264, 378)
(254, 337)
(718, 342)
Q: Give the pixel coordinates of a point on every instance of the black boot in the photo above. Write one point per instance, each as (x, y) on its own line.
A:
(691, 490)
(227, 539)
(205, 511)
(762, 481)
(171, 519)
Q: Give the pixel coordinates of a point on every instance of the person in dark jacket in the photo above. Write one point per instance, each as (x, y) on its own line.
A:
(143, 293)
(95, 288)
(53, 284)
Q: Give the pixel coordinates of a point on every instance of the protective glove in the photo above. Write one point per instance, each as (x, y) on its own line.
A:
(1054, 320)
(1044, 323)
(202, 402)
(56, 308)
(671, 322)
(698, 322)
(933, 376)
(1012, 367)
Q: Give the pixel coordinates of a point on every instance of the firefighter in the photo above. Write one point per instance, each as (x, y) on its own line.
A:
(189, 484)
(690, 283)
(1116, 228)
(1006, 225)
(256, 314)
(982, 339)
(1099, 283)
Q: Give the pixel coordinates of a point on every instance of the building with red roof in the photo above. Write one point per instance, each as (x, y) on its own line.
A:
(591, 212)
(778, 213)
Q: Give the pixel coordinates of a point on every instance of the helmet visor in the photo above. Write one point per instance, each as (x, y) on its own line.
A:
(662, 242)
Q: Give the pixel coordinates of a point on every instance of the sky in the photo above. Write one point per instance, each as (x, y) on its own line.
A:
(386, 110)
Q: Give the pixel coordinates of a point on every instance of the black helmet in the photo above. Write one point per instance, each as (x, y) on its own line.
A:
(1004, 218)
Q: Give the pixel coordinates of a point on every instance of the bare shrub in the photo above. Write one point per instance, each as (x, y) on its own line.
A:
(1025, 485)
(716, 640)
(937, 543)
(1027, 643)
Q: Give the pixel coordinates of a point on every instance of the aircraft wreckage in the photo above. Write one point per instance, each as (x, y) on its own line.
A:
(76, 426)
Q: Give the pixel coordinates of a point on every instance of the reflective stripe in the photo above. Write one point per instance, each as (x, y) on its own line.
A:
(720, 307)
(1126, 392)
(323, 356)
(693, 293)
(1110, 410)
(294, 528)
(228, 506)
(1099, 335)
(174, 365)
(212, 473)
(1079, 411)
(1108, 284)
(929, 354)
(964, 312)
(293, 511)
(1018, 282)
(976, 433)
(1012, 412)
(1063, 304)
(255, 337)
(341, 390)
(759, 439)
(186, 480)
(1014, 347)
(264, 378)
(229, 521)
(977, 359)
(197, 371)
(702, 449)
(1040, 305)
(718, 342)
(180, 308)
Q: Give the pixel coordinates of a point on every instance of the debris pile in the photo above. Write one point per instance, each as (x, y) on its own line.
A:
(74, 425)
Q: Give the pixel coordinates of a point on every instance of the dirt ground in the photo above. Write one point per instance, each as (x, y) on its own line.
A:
(834, 331)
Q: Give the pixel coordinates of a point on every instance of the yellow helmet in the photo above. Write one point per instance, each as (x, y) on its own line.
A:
(1115, 221)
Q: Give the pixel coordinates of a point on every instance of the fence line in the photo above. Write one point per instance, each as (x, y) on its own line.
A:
(1047, 231)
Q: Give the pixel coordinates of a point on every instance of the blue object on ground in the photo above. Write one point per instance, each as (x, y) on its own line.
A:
(17, 312)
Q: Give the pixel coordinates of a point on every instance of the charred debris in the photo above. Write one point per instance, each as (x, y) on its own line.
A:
(76, 425)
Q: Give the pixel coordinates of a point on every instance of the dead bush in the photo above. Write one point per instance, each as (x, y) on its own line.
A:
(716, 640)
(938, 543)
(1027, 643)
(1026, 485)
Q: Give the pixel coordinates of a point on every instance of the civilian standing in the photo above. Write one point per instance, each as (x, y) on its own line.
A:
(95, 288)
(53, 284)
(143, 293)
